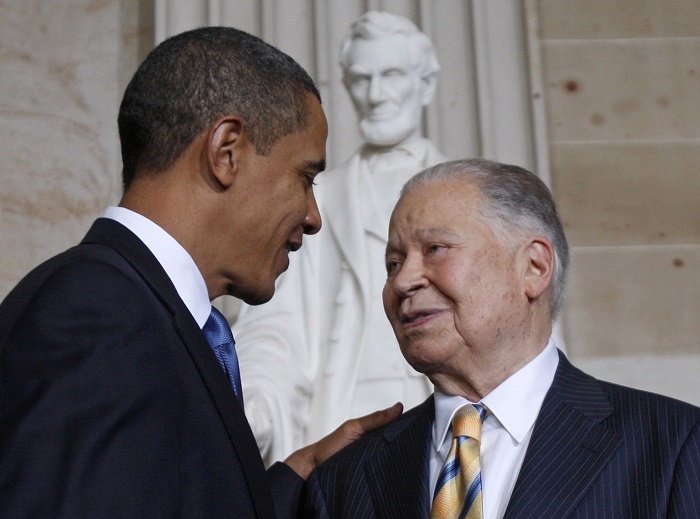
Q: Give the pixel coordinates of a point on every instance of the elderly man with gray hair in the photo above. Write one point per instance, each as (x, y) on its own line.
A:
(476, 266)
(321, 351)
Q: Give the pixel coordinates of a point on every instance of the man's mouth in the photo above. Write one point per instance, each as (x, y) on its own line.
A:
(293, 246)
(416, 317)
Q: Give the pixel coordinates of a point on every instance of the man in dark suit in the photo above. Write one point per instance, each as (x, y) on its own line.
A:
(112, 401)
(476, 264)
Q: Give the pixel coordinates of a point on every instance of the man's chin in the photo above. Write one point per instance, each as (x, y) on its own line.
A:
(258, 299)
(253, 295)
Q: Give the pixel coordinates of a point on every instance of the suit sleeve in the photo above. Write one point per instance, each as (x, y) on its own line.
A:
(286, 486)
(685, 499)
(89, 422)
(314, 505)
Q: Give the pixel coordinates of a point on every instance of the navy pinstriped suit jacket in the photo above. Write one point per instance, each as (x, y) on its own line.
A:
(598, 450)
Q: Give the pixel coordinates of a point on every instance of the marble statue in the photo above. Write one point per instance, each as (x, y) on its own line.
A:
(322, 349)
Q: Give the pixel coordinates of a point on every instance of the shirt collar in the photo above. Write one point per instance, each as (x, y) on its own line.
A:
(515, 403)
(175, 260)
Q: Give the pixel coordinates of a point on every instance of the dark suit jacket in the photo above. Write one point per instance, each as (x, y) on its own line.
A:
(597, 450)
(112, 403)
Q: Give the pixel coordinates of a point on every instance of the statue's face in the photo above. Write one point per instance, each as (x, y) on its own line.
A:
(386, 89)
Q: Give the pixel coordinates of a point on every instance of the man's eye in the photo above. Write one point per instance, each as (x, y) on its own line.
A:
(434, 247)
(310, 179)
(392, 266)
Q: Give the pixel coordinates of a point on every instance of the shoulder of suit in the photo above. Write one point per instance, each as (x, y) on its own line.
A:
(373, 441)
(657, 403)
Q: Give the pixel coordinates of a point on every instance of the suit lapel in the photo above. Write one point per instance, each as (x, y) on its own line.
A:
(115, 235)
(569, 447)
(398, 475)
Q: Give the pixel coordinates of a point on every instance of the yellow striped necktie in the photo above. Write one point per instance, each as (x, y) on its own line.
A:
(458, 489)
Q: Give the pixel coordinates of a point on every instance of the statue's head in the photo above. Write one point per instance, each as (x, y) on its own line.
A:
(390, 70)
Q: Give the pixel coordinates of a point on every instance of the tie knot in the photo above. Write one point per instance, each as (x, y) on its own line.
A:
(467, 421)
(216, 329)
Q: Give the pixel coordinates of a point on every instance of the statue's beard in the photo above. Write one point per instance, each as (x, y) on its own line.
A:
(387, 132)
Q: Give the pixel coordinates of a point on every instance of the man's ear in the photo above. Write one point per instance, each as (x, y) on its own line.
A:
(225, 143)
(539, 267)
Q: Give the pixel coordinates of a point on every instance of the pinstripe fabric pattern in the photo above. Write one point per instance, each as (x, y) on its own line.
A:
(384, 474)
(597, 451)
(600, 450)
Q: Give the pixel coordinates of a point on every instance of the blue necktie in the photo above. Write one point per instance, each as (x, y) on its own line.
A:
(219, 337)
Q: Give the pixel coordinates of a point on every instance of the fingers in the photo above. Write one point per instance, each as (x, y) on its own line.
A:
(379, 418)
(306, 459)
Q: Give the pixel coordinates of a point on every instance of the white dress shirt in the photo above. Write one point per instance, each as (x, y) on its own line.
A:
(505, 435)
(175, 260)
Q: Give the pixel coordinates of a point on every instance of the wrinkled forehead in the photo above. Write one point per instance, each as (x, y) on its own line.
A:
(438, 190)
(443, 202)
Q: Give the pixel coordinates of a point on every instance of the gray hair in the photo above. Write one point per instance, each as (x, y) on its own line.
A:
(516, 202)
(377, 24)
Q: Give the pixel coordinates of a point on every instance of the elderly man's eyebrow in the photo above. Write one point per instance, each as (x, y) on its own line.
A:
(430, 233)
(436, 232)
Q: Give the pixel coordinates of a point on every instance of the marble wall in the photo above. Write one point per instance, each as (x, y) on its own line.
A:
(64, 68)
(622, 94)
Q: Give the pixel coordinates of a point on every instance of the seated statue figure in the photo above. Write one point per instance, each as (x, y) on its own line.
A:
(322, 350)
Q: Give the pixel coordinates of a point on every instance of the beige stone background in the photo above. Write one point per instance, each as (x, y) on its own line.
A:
(622, 95)
(63, 68)
(621, 92)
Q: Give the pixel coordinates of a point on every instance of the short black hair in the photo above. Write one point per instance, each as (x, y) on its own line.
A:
(194, 78)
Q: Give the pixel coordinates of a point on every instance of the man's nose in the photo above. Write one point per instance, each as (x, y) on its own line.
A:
(312, 222)
(410, 277)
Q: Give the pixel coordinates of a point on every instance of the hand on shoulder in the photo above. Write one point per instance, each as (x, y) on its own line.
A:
(307, 458)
